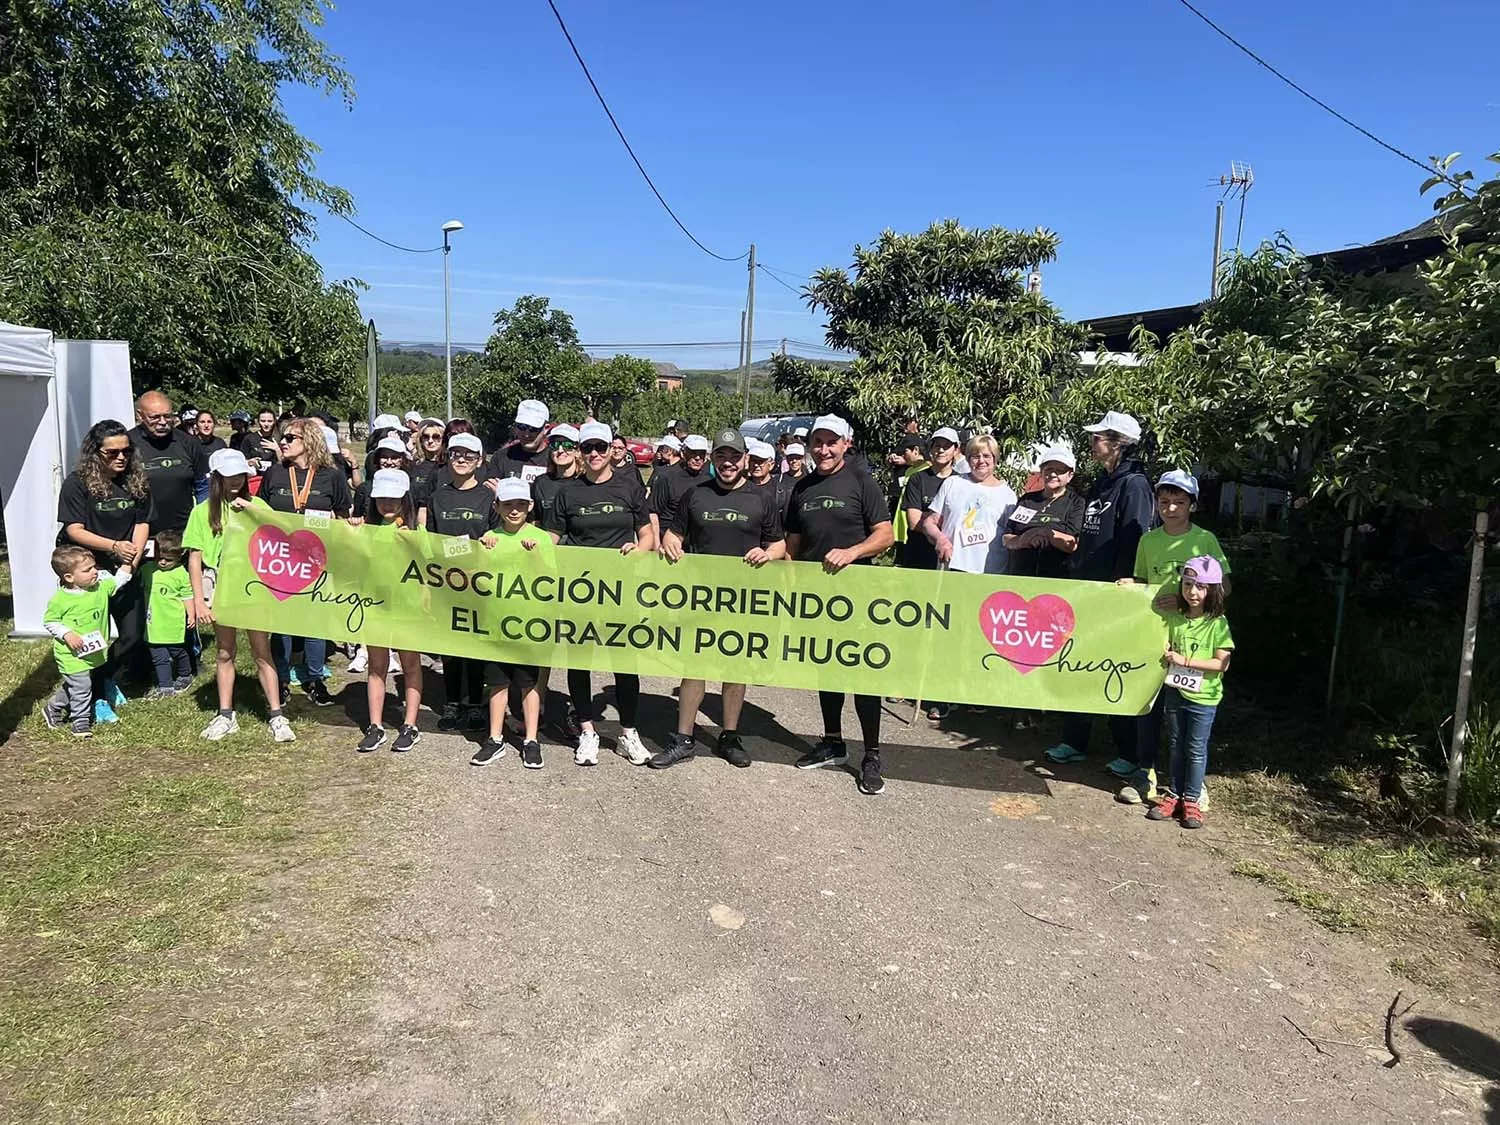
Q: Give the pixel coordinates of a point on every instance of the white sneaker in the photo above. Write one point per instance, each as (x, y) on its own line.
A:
(281, 730)
(361, 658)
(630, 747)
(220, 727)
(587, 753)
(395, 669)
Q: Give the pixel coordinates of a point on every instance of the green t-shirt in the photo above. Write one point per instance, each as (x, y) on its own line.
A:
(82, 612)
(1159, 556)
(199, 533)
(1198, 638)
(166, 613)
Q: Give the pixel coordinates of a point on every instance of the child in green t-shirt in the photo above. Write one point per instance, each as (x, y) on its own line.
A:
(77, 619)
(1199, 646)
(169, 612)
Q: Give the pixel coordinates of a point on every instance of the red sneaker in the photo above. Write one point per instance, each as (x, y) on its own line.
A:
(1192, 815)
(1165, 808)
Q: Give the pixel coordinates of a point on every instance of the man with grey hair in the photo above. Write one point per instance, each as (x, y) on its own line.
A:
(174, 462)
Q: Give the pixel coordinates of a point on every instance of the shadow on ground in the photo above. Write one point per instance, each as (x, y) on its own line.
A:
(1466, 1048)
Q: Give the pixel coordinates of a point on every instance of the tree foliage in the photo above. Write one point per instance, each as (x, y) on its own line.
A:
(702, 410)
(152, 189)
(945, 331)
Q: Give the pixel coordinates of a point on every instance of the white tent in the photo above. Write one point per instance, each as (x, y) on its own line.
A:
(51, 392)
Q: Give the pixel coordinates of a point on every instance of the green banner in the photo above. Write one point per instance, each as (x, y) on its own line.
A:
(958, 638)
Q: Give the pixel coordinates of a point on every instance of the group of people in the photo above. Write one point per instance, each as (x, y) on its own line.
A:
(142, 521)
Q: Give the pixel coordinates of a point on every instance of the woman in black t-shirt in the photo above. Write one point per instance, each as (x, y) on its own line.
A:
(606, 510)
(105, 506)
(305, 482)
(1042, 531)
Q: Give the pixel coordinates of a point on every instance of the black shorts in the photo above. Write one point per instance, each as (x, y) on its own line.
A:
(521, 677)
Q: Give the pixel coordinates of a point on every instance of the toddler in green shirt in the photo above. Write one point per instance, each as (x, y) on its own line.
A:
(77, 619)
(169, 613)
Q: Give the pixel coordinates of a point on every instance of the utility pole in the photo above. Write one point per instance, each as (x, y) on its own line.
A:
(739, 360)
(1213, 284)
(749, 332)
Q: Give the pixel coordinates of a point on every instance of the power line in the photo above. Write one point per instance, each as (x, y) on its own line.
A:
(766, 270)
(377, 238)
(1322, 104)
(784, 273)
(680, 344)
(641, 168)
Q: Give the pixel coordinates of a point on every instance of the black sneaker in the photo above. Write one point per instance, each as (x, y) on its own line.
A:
(679, 748)
(374, 738)
(870, 781)
(317, 691)
(732, 750)
(531, 754)
(452, 717)
(476, 718)
(828, 752)
(52, 718)
(81, 729)
(408, 738)
(566, 726)
(492, 751)
(182, 684)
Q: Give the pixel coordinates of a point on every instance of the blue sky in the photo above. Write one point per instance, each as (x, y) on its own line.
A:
(810, 127)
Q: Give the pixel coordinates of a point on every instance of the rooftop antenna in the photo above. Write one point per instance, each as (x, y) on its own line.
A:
(1240, 180)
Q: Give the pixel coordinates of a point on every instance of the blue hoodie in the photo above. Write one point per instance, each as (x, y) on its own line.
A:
(1121, 508)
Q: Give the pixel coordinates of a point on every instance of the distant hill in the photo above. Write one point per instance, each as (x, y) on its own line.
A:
(418, 357)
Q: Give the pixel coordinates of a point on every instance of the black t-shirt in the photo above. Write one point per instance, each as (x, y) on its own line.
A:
(461, 511)
(329, 492)
(920, 491)
(714, 520)
(173, 466)
(514, 460)
(211, 444)
(544, 492)
(669, 487)
(1064, 514)
(779, 486)
(427, 475)
(250, 444)
(834, 512)
(586, 514)
(113, 516)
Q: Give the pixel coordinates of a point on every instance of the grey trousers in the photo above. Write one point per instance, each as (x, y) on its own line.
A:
(75, 699)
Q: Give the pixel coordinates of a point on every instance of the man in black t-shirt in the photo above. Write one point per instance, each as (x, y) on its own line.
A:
(838, 517)
(525, 456)
(174, 462)
(670, 484)
(725, 515)
(920, 491)
(762, 465)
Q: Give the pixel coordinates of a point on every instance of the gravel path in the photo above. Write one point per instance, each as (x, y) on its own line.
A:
(978, 943)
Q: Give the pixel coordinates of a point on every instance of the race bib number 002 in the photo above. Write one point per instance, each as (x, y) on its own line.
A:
(1184, 679)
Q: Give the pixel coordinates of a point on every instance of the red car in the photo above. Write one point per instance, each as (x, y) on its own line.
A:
(641, 449)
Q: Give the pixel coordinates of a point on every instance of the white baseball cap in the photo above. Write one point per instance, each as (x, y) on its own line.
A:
(331, 438)
(695, 442)
(389, 484)
(412, 416)
(386, 422)
(532, 412)
(1116, 422)
(1179, 479)
(795, 449)
(671, 441)
(228, 463)
(595, 431)
(512, 488)
(567, 431)
(391, 444)
(944, 433)
(835, 425)
(800, 431)
(1062, 454)
(466, 441)
(672, 425)
(764, 450)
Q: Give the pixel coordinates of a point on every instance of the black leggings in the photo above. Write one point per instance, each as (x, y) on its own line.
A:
(127, 607)
(866, 708)
(463, 680)
(627, 696)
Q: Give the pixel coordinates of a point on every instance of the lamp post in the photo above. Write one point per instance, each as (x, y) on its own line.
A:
(449, 227)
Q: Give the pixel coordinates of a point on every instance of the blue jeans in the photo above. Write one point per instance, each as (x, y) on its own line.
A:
(314, 653)
(1148, 733)
(1188, 725)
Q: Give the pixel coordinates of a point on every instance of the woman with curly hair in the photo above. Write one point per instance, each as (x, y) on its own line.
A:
(105, 507)
(307, 483)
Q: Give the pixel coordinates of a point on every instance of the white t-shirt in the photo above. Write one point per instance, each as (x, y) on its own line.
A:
(972, 517)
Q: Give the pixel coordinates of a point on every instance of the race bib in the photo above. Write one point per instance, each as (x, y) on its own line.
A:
(1184, 679)
(529, 473)
(92, 643)
(973, 536)
(1022, 516)
(318, 517)
(454, 546)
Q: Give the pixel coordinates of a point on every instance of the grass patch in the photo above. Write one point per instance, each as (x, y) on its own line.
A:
(1326, 909)
(176, 917)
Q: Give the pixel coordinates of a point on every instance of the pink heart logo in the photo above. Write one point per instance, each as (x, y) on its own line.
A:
(287, 564)
(1028, 634)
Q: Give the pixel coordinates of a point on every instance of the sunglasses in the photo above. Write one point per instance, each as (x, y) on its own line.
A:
(593, 448)
(520, 429)
(434, 436)
(288, 438)
(113, 453)
(562, 443)
(462, 455)
(1056, 472)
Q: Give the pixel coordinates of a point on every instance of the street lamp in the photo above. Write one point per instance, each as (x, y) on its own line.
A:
(449, 227)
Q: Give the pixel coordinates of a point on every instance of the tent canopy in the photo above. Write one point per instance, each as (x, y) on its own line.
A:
(26, 351)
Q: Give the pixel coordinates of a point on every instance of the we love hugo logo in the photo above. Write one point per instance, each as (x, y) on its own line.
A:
(286, 564)
(1026, 634)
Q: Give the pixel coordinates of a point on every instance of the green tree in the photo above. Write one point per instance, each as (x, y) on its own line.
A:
(945, 331)
(152, 189)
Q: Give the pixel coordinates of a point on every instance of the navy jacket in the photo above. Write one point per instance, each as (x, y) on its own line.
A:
(1121, 508)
